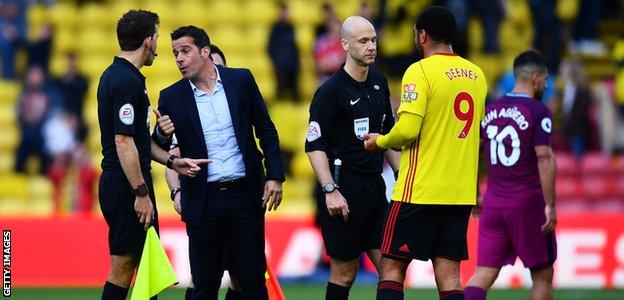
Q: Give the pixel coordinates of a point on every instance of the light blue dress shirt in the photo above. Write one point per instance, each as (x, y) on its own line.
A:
(216, 122)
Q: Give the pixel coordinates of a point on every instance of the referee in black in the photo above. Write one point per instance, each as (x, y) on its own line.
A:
(351, 204)
(126, 192)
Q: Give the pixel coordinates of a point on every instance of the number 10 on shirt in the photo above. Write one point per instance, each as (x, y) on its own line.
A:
(467, 116)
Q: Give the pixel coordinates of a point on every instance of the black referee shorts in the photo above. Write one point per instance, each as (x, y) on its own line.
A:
(125, 234)
(366, 196)
(418, 231)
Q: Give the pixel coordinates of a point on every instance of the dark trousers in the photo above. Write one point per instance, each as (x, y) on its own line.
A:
(32, 142)
(230, 215)
(287, 82)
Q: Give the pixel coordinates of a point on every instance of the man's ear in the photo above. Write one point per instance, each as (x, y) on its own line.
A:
(205, 52)
(345, 45)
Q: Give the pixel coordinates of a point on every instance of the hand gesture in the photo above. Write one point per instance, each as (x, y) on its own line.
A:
(370, 142)
(144, 210)
(476, 210)
(551, 219)
(188, 167)
(177, 202)
(272, 195)
(337, 205)
(164, 124)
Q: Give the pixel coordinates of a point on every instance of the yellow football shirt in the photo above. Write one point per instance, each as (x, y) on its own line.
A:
(440, 166)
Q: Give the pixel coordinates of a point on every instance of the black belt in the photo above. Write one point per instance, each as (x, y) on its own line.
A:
(228, 184)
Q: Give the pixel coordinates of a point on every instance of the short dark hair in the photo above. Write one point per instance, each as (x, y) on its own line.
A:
(134, 26)
(215, 50)
(439, 23)
(528, 63)
(200, 37)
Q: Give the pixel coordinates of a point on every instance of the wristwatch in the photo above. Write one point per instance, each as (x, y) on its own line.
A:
(170, 161)
(141, 190)
(173, 193)
(329, 187)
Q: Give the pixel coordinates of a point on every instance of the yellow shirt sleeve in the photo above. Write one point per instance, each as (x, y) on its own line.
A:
(414, 91)
(405, 130)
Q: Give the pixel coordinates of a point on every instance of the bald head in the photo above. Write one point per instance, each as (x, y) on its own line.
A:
(354, 25)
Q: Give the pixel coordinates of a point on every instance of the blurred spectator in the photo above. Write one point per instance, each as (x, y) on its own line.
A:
(12, 33)
(39, 50)
(397, 50)
(328, 53)
(546, 28)
(285, 55)
(329, 18)
(491, 13)
(86, 182)
(73, 87)
(461, 10)
(575, 107)
(586, 29)
(60, 142)
(33, 108)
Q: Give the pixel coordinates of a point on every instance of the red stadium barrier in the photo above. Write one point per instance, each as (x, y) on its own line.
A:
(73, 252)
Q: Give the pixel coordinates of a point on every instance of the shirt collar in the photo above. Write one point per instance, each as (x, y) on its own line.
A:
(524, 95)
(199, 92)
(125, 62)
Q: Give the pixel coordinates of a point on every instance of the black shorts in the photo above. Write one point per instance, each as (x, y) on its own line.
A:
(418, 231)
(125, 234)
(366, 196)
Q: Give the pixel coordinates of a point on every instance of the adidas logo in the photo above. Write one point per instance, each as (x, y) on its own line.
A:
(404, 248)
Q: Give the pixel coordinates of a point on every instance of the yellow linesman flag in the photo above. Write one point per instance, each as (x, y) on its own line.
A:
(155, 271)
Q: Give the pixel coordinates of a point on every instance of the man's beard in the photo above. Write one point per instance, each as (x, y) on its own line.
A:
(538, 95)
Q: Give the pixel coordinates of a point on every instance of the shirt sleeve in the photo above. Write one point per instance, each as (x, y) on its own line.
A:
(388, 117)
(124, 106)
(322, 114)
(414, 91)
(543, 127)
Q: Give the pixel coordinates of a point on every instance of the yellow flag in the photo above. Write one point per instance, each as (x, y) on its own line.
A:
(155, 271)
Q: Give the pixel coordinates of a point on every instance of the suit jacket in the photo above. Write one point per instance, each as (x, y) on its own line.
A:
(248, 112)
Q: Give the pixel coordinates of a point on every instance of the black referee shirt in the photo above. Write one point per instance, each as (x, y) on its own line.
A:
(342, 111)
(123, 108)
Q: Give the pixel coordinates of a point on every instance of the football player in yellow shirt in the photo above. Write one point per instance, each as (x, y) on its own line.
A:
(442, 102)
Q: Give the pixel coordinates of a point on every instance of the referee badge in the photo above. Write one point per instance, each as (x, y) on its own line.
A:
(360, 127)
(314, 132)
(126, 114)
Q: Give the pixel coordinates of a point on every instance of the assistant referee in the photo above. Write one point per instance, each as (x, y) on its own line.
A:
(126, 192)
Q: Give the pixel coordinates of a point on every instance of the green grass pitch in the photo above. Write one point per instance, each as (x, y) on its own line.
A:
(316, 292)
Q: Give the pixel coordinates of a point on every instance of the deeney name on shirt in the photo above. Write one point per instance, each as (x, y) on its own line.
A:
(453, 73)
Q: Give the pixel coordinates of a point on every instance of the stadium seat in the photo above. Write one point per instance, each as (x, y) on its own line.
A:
(7, 115)
(261, 13)
(7, 160)
(9, 91)
(566, 164)
(305, 13)
(597, 163)
(300, 166)
(64, 15)
(95, 15)
(9, 138)
(599, 187)
(567, 187)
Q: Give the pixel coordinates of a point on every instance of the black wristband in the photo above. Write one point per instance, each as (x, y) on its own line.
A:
(170, 161)
(173, 193)
(141, 190)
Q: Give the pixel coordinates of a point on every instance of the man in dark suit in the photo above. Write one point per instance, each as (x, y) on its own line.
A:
(214, 112)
